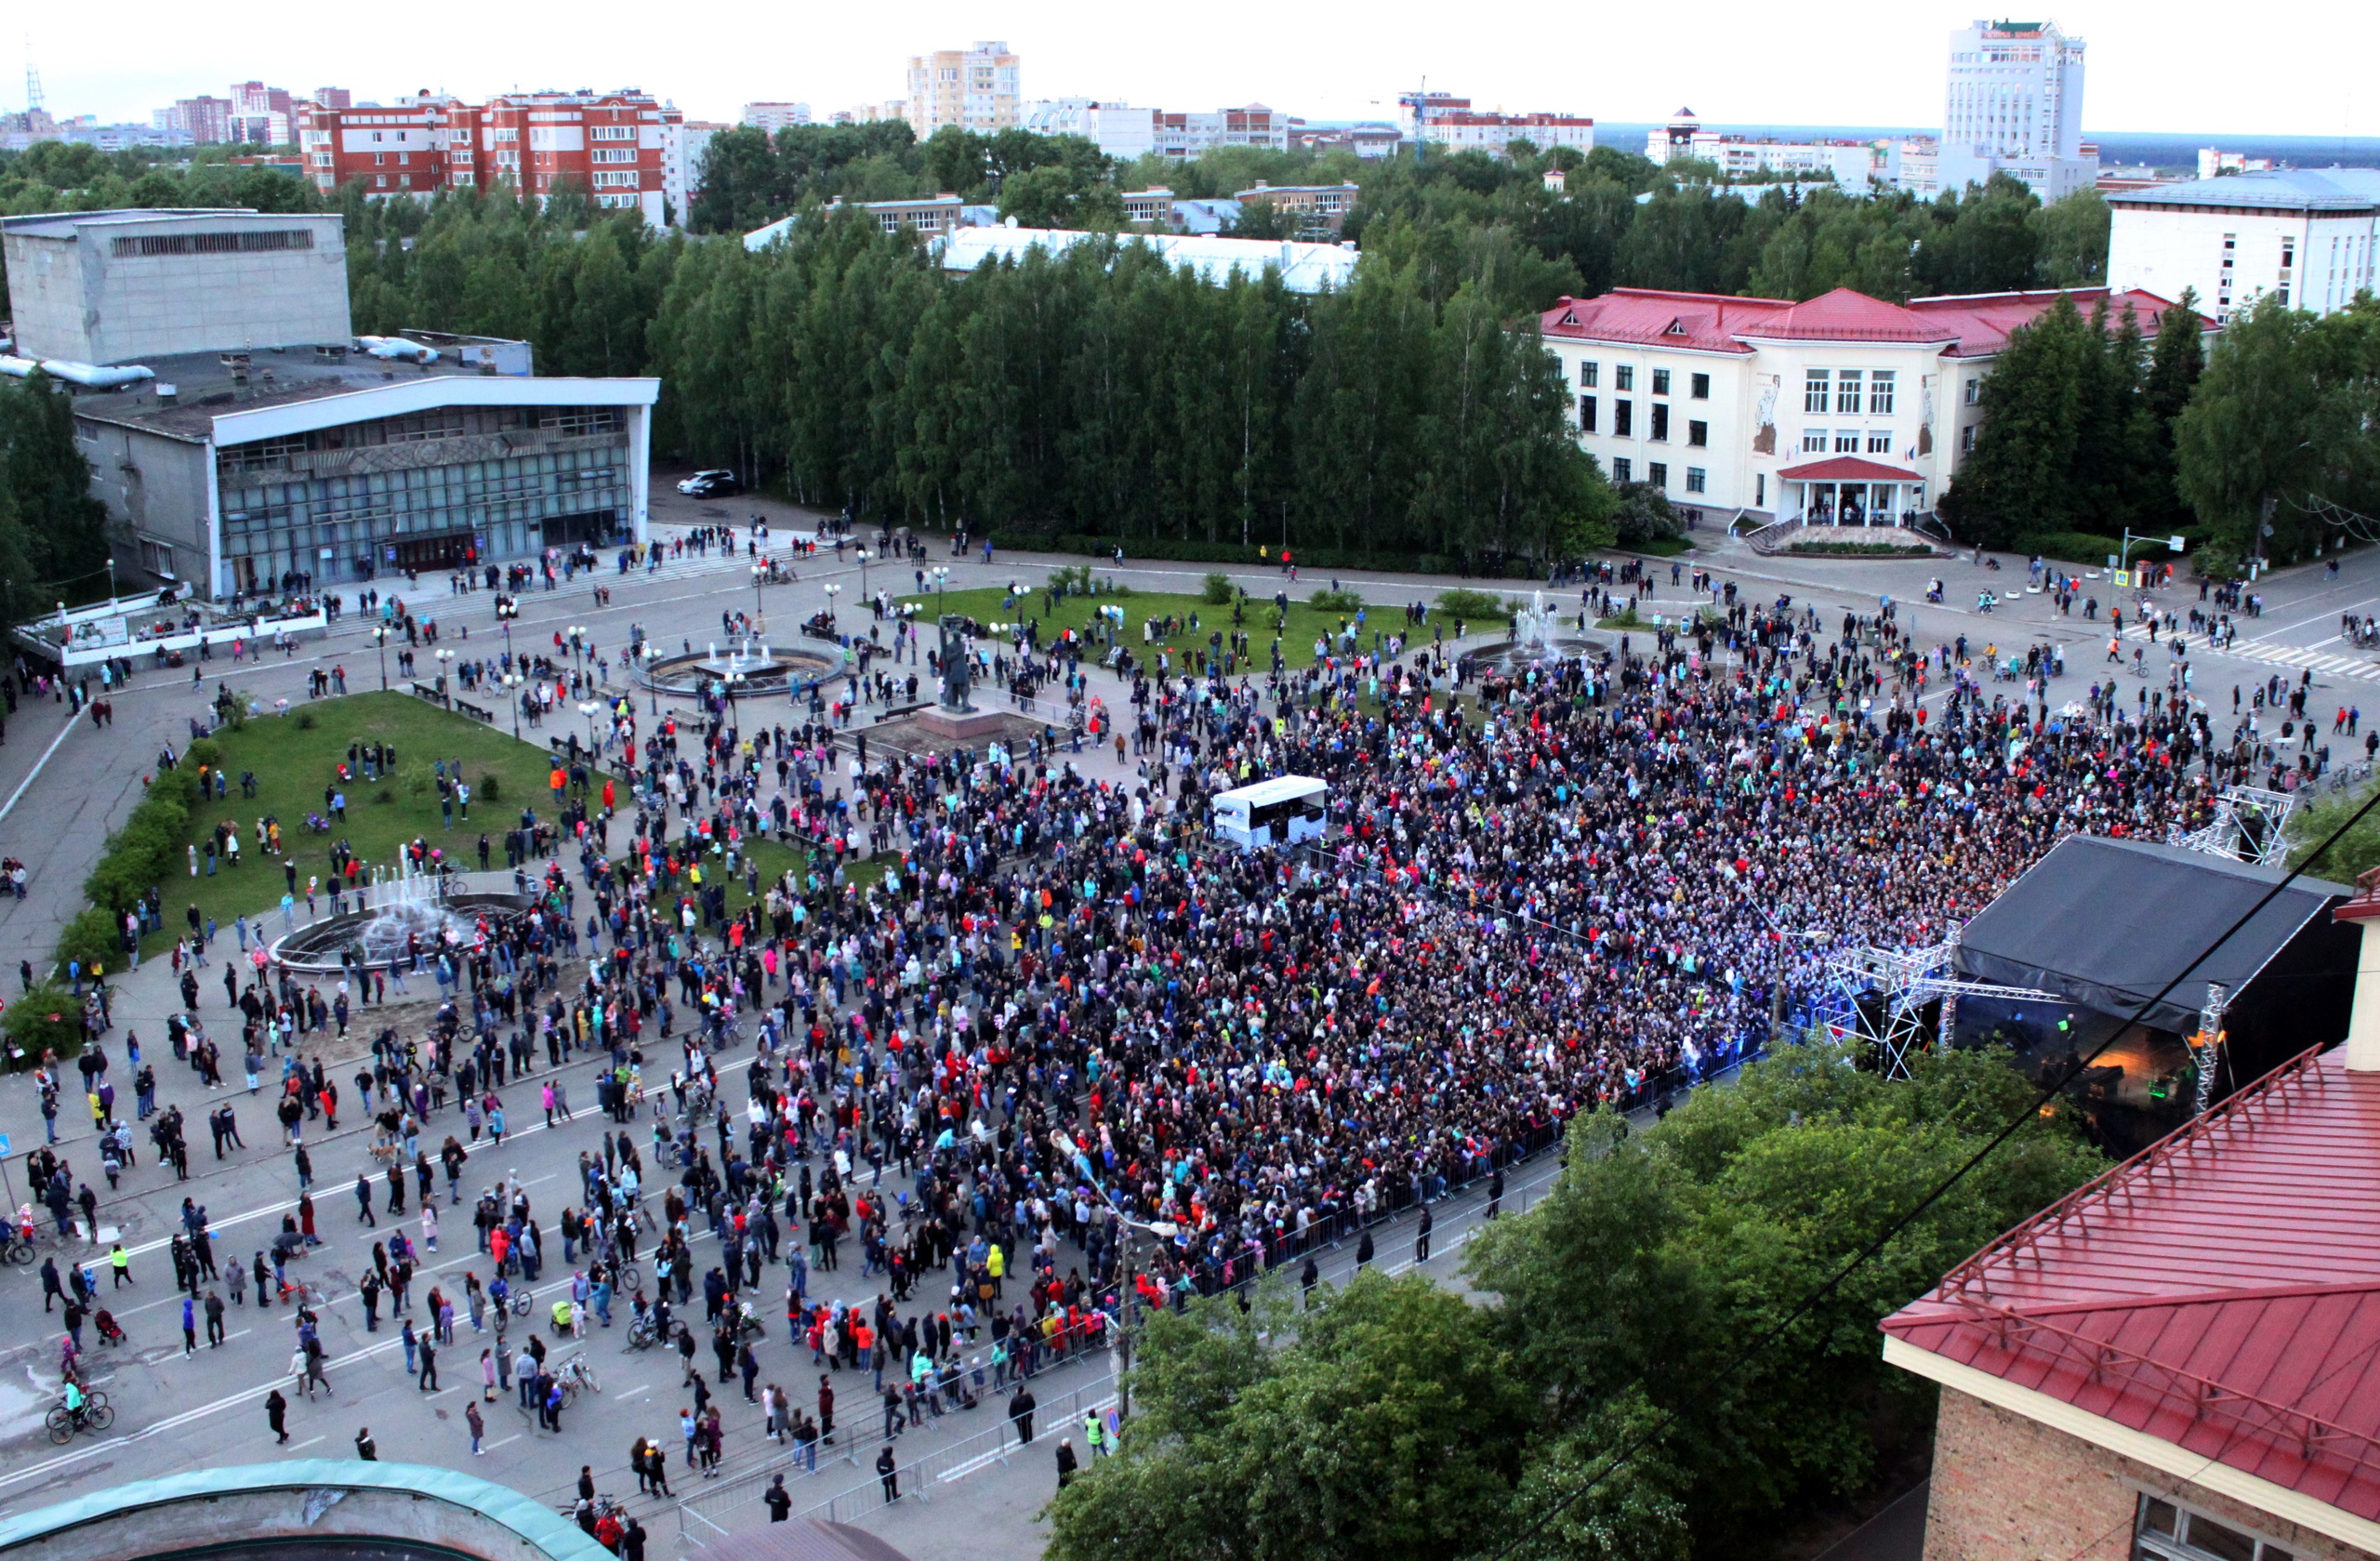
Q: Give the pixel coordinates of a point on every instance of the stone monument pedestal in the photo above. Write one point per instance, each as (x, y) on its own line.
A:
(960, 726)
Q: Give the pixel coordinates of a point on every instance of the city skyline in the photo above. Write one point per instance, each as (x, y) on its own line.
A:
(1627, 68)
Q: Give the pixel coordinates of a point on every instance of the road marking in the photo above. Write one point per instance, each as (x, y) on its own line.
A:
(640, 1387)
(492, 1446)
(34, 773)
(301, 1446)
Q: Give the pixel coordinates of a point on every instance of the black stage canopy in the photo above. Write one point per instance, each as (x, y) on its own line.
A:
(2105, 924)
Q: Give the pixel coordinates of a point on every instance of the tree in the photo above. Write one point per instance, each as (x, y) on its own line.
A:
(62, 527)
(2021, 478)
(2071, 250)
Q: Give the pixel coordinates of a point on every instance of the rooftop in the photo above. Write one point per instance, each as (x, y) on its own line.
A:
(207, 385)
(1973, 325)
(2219, 1292)
(66, 224)
(2324, 190)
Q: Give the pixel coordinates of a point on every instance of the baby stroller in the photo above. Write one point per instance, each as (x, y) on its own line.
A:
(111, 1331)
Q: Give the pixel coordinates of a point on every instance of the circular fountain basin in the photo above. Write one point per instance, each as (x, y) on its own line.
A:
(381, 933)
(765, 668)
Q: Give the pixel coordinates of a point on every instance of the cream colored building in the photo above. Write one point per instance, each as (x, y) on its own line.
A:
(974, 88)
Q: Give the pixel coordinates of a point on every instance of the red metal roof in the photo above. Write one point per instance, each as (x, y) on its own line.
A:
(1847, 469)
(2219, 1292)
(1965, 326)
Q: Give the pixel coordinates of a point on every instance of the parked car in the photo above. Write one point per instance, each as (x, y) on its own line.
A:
(710, 485)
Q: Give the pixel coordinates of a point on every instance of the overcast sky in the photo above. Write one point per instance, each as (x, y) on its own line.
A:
(2179, 65)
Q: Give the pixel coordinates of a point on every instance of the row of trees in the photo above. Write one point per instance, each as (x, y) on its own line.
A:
(1608, 1405)
(53, 533)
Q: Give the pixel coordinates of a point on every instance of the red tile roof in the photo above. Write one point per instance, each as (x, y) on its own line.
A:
(1965, 326)
(2219, 1292)
(1847, 469)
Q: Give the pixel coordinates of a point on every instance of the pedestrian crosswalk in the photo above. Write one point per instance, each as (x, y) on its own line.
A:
(2322, 664)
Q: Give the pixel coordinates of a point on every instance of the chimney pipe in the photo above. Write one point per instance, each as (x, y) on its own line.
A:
(2364, 1024)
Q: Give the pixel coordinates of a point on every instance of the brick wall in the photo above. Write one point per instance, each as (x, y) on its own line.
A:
(2009, 1488)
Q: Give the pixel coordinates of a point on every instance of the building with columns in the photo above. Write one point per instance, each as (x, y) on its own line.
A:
(1842, 409)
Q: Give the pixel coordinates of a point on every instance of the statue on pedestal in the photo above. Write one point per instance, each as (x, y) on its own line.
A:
(956, 669)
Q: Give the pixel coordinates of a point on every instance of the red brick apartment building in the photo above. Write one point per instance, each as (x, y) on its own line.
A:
(612, 143)
(2180, 1361)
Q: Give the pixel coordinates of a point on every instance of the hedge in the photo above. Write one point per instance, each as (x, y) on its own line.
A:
(48, 1018)
(2087, 548)
(1181, 550)
(138, 856)
(1859, 549)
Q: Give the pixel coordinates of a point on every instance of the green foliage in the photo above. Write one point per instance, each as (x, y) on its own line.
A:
(1340, 601)
(1471, 607)
(57, 527)
(2082, 547)
(2284, 415)
(489, 788)
(2357, 853)
(1625, 618)
(1862, 549)
(1658, 1257)
(48, 1018)
(1219, 589)
(1644, 514)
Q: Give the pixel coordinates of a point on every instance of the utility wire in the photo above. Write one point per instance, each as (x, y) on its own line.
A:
(1869, 1253)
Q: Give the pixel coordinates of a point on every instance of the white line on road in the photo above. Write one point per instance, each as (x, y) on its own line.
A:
(301, 1446)
(34, 773)
(492, 1446)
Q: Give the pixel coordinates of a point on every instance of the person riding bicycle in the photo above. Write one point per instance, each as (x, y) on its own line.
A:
(78, 1403)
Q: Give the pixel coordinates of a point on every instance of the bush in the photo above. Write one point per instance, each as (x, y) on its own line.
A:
(1338, 600)
(1626, 618)
(1073, 580)
(95, 938)
(2071, 547)
(1862, 549)
(1645, 516)
(1471, 605)
(45, 1019)
(305, 720)
(491, 787)
(1219, 589)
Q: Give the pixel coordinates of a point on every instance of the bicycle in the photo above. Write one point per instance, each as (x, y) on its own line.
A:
(62, 1422)
(520, 1304)
(628, 1276)
(573, 1375)
(17, 1249)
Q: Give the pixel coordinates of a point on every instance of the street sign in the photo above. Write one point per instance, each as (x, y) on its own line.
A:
(2174, 543)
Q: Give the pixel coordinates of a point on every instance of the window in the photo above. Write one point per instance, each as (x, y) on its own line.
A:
(2169, 1531)
(1846, 441)
(1694, 479)
(1623, 419)
(1623, 376)
(1658, 474)
(1661, 410)
(1586, 414)
(1697, 434)
(1814, 390)
(1662, 375)
(1974, 390)
(1966, 440)
(1879, 444)
(1622, 469)
(1587, 375)
(1759, 490)
(1814, 441)
(1880, 393)
(1701, 383)
(1846, 393)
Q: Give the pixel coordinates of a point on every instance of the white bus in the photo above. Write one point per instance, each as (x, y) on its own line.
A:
(1283, 810)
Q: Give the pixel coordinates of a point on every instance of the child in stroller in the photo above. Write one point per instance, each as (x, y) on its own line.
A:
(111, 1331)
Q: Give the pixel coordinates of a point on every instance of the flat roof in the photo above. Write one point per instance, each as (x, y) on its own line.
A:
(210, 404)
(66, 224)
(2312, 190)
(1279, 789)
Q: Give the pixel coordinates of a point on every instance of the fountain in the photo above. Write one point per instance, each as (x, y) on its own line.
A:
(750, 665)
(1539, 636)
(394, 908)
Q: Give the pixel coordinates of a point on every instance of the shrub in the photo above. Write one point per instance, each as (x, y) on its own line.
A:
(206, 752)
(95, 937)
(1626, 618)
(1862, 549)
(1645, 516)
(305, 720)
(2071, 547)
(1341, 600)
(45, 1019)
(384, 795)
(1072, 579)
(491, 787)
(1218, 588)
(1471, 605)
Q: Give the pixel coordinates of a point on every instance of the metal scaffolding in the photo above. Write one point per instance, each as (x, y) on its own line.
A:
(1879, 996)
(2251, 825)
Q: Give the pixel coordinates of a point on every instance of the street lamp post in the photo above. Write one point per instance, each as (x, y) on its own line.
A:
(444, 657)
(651, 656)
(513, 682)
(588, 708)
(1163, 1230)
(863, 573)
(380, 639)
(759, 573)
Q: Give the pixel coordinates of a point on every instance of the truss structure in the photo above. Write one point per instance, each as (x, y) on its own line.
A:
(2251, 825)
(1879, 996)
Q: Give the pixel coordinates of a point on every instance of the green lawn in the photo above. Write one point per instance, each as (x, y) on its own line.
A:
(294, 757)
(1257, 618)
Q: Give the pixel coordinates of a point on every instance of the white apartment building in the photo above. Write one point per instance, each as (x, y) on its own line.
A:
(1118, 129)
(974, 89)
(2307, 236)
(773, 117)
(1850, 163)
(2015, 106)
(683, 148)
(1845, 408)
(1194, 135)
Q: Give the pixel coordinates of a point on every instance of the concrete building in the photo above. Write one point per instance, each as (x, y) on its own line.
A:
(1194, 135)
(206, 121)
(1444, 120)
(109, 287)
(609, 143)
(2176, 1362)
(1368, 142)
(1850, 163)
(1844, 409)
(2303, 235)
(2013, 105)
(1304, 268)
(1915, 163)
(242, 441)
(773, 117)
(1318, 210)
(333, 98)
(929, 215)
(974, 89)
(2212, 163)
(1118, 129)
(683, 146)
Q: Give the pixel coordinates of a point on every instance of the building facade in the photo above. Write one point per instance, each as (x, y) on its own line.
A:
(2013, 105)
(974, 88)
(1118, 129)
(1493, 133)
(1843, 409)
(773, 117)
(1850, 163)
(611, 144)
(1180, 136)
(683, 146)
(1317, 210)
(2306, 237)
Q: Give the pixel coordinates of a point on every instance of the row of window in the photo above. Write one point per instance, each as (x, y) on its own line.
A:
(1846, 441)
(1656, 474)
(252, 241)
(1623, 422)
(1623, 378)
(1845, 385)
(444, 422)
